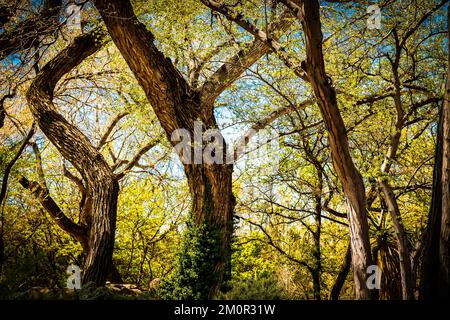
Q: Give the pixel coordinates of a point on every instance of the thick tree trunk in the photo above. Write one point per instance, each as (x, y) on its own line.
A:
(349, 176)
(98, 261)
(435, 271)
(444, 242)
(74, 146)
(177, 106)
(429, 280)
(213, 205)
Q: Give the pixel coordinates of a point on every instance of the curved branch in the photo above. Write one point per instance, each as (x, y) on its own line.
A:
(68, 139)
(42, 195)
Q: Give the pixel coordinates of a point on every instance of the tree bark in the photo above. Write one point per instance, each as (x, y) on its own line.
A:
(444, 241)
(429, 271)
(402, 240)
(349, 176)
(435, 271)
(102, 185)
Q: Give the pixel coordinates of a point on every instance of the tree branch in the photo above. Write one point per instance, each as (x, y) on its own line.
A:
(133, 162)
(13, 161)
(231, 70)
(42, 195)
(111, 126)
(28, 32)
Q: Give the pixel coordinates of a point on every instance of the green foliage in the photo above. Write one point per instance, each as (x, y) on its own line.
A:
(251, 261)
(261, 289)
(194, 269)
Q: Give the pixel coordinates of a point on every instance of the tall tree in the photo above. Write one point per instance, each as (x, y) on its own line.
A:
(435, 271)
(313, 71)
(102, 185)
(177, 106)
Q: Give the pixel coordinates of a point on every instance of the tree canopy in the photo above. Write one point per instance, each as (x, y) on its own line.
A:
(231, 149)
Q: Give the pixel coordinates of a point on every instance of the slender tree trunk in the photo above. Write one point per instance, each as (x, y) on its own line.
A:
(349, 176)
(317, 252)
(343, 273)
(404, 252)
(2, 251)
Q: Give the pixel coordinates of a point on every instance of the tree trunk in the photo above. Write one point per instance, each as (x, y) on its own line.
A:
(317, 252)
(435, 271)
(213, 205)
(177, 106)
(101, 183)
(404, 252)
(444, 242)
(429, 280)
(340, 280)
(2, 251)
(349, 176)
(98, 261)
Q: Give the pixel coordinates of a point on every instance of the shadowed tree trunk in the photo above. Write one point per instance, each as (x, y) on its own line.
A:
(429, 281)
(435, 271)
(444, 241)
(343, 273)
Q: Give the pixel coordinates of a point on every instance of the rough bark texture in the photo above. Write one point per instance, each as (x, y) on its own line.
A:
(176, 106)
(435, 269)
(402, 240)
(429, 280)
(444, 242)
(102, 186)
(349, 176)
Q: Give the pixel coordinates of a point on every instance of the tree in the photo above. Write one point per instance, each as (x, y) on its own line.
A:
(177, 105)
(435, 277)
(102, 186)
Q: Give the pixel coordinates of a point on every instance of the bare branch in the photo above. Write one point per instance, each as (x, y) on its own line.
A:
(110, 128)
(231, 70)
(133, 162)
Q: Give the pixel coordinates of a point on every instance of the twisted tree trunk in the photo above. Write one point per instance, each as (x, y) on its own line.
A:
(102, 186)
